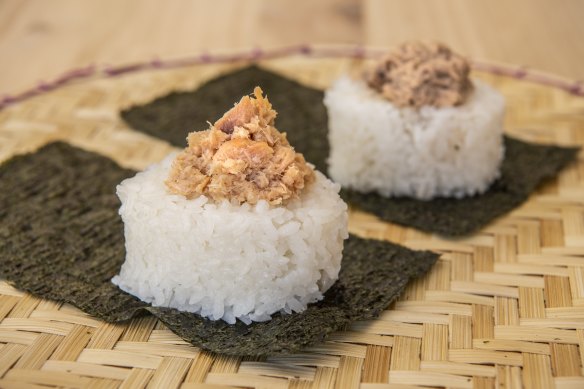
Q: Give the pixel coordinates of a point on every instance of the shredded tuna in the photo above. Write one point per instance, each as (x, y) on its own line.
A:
(416, 74)
(242, 158)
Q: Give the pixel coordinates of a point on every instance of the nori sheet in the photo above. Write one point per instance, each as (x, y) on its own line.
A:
(525, 166)
(302, 115)
(61, 238)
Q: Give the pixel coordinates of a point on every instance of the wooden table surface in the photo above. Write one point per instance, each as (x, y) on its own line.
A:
(41, 39)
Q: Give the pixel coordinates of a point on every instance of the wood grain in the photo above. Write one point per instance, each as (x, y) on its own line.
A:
(40, 39)
(543, 34)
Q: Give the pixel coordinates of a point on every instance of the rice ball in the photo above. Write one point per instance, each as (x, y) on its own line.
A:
(421, 152)
(225, 260)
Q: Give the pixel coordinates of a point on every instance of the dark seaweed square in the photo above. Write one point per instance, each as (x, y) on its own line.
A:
(526, 165)
(61, 238)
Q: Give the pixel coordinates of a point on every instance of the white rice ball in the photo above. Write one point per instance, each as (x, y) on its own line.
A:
(229, 261)
(425, 153)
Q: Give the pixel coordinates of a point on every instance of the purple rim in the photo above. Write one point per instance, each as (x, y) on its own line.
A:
(518, 72)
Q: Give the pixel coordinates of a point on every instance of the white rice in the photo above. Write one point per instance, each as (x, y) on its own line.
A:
(227, 261)
(451, 152)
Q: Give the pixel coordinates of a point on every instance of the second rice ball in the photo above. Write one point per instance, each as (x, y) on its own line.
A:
(423, 144)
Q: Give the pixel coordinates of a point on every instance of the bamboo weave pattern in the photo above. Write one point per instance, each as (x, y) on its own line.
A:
(504, 307)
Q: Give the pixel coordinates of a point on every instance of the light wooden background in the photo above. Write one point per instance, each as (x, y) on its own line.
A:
(40, 39)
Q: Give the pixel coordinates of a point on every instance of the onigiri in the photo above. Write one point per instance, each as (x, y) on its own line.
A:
(236, 226)
(416, 126)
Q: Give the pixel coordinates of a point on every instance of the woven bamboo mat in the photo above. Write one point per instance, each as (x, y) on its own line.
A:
(504, 307)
